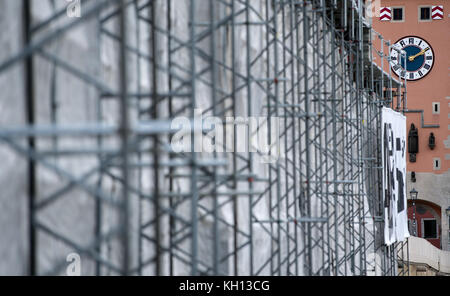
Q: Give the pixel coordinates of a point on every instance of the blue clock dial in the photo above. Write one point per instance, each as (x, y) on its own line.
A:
(419, 58)
(417, 63)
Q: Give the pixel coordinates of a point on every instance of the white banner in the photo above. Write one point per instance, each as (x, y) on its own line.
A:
(394, 176)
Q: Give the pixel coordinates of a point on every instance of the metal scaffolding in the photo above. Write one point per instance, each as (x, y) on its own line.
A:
(316, 66)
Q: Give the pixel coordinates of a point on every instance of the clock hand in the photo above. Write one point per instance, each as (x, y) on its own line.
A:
(411, 58)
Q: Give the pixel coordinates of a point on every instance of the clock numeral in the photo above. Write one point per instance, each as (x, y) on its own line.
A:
(420, 73)
(394, 58)
(429, 58)
(402, 43)
(420, 43)
(411, 40)
(396, 67)
(426, 66)
(411, 75)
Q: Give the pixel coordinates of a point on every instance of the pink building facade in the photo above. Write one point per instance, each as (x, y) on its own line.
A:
(422, 29)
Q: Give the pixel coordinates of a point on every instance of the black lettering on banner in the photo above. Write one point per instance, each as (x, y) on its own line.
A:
(388, 190)
(401, 197)
(392, 179)
(403, 148)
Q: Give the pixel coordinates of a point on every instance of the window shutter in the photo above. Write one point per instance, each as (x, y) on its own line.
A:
(385, 14)
(437, 12)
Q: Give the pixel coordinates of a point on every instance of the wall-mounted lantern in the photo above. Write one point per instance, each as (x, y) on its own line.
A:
(413, 143)
(413, 177)
(431, 141)
(413, 194)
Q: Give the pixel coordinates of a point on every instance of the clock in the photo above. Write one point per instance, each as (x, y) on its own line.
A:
(419, 58)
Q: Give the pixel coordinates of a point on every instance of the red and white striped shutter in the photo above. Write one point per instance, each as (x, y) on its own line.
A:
(437, 12)
(385, 14)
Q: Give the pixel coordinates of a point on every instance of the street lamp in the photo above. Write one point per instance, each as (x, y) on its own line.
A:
(413, 194)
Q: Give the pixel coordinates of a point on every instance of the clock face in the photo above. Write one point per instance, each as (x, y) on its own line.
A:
(419, 58)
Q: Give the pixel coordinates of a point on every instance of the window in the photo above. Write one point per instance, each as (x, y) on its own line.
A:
(397, 13)
(429, 228)
(436, 108)
(425, 13)
(436, 163)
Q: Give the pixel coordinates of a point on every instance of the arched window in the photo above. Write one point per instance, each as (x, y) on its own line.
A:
(427, 220)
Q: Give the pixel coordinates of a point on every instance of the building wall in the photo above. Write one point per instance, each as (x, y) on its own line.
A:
(425, 259)
(434, 188)
(432, 184)
(421, 270)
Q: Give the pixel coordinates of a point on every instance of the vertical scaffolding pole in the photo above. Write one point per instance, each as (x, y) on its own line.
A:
(30, 119)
